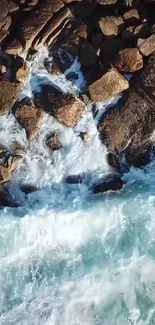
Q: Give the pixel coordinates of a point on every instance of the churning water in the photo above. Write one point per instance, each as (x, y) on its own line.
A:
(68, 257)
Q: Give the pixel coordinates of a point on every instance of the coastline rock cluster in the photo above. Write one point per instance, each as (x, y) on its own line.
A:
(111, 38)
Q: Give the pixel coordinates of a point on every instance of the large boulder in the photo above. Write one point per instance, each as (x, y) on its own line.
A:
(28, 116)
(108, 85)
(63, 106)
(128, 127)
(9, 93)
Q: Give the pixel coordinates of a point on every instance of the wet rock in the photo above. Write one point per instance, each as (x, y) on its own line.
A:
(110, 84)
(84, 136)
(138, 153)
(74, 179)
(53, 142)
(29, 117)
(109, 183)
(111, 25)
(27, 188)
(147, 46)
(8, 165)
(132, 33)
(9, 93)
(131, 17)
(129, 60)
(63, 106)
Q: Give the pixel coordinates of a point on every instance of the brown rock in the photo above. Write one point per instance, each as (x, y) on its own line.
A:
(53, 142)
(19, 69)
(64, 107)
(108, 183)
(29, 117)
(147, 46)
(113, 161)
(110, 84)
(9, 93)
(111, 25)
(129, 60)
(131, 17)
(87, 54)
(4, 8)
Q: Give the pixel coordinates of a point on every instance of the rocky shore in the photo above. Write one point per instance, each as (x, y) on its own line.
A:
(112, 40)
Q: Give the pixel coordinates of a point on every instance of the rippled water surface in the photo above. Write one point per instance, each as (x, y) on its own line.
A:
(69, 257)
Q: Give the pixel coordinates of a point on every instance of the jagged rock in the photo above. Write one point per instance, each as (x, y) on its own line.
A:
(8, 164)
(131, 17)
(111, 25)
(63, 106)
(129, 60)
(53, 142)
(54, 27)
(29, 117)
(109, 183)
(27, 188)
(33, 25)
(147, 46)
(9, 93)
(110, 84)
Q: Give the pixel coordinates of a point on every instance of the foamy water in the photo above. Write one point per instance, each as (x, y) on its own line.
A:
(69, 257)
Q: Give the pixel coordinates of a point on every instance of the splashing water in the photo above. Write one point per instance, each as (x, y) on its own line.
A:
(69, 257)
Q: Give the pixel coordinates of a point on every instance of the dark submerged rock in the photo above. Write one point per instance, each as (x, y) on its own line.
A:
(109, 183)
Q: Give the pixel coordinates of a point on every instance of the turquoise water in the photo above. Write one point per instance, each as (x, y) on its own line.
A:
(86, 260)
